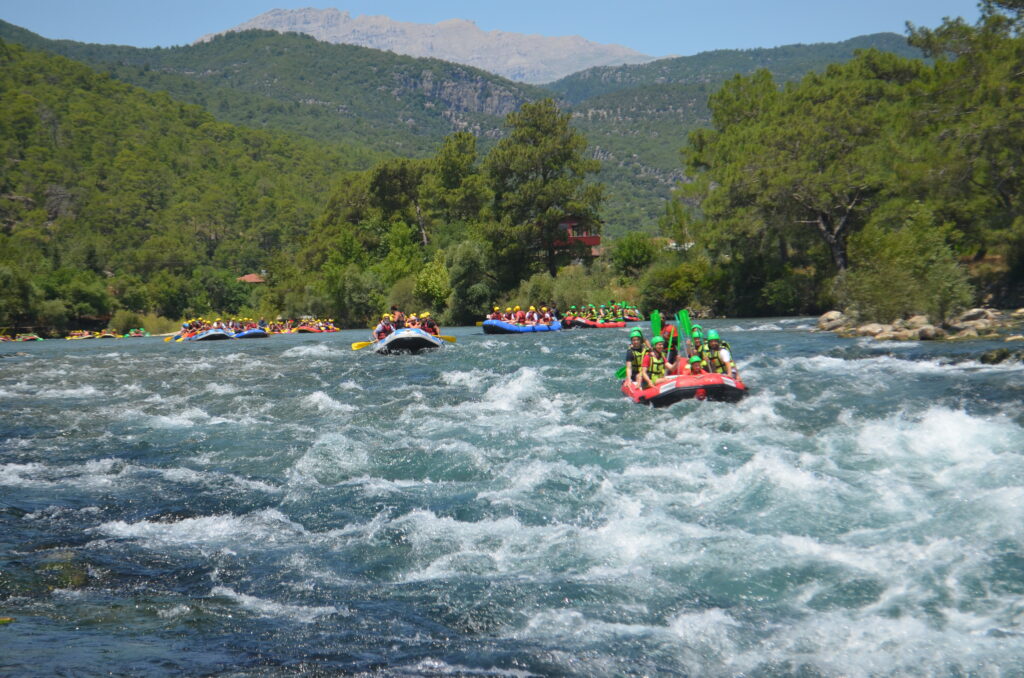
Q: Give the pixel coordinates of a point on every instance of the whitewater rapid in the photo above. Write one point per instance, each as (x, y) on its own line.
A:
(289, 506)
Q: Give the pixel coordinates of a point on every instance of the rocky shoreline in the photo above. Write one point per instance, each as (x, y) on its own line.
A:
(977, 323)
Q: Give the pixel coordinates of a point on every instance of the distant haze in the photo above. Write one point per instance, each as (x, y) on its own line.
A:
(526, 58)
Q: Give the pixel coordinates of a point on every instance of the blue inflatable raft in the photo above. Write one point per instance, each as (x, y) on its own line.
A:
(502, 327)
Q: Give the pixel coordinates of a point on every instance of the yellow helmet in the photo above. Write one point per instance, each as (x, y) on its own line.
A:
(544, 308)
(386, 316)
(518, 309)
(425, 314)
(496, 308)
(533, 308)
(508, 310)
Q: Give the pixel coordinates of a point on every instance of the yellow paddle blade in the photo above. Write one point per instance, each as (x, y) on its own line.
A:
(360, 344)
(446, 338)
(169, 338)
(179, 339)
(479, 323)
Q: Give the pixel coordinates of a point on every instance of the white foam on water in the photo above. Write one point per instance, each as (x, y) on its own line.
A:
(250, 531)
(174, 612)
(444, 547)
(764, 327)
(87, 391)
(23, 475)
(707, 636)
(218, 388)
(208, 478)
(270, 608)
(322, 402)
(467, 379)
(349, 385)
(311, 351)
(870, 646)
(438, 667)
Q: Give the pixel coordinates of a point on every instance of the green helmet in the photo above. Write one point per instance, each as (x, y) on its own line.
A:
(659, 340)
(571, 308)
(636, 333)
(712, 335)
(696, 334)
(694, 359)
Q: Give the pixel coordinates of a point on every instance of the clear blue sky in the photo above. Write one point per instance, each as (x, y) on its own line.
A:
(655, 27)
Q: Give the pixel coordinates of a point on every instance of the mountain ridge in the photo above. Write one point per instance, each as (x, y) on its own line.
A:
(529, 58)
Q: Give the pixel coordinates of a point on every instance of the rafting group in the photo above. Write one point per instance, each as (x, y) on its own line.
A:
(106, 334)
(543, 318)
(399, 332)
(204, 329)
(672, 367)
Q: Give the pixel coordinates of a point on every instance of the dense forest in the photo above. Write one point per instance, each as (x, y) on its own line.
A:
(885, 185)
(635, 118)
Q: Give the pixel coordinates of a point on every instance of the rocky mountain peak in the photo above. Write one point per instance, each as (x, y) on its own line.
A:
(525, 58)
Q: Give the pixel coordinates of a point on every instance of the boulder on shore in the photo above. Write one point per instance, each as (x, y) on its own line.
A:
(1018, 314)
(1015, 337)
(872, 329)
(975, 314)
(930, 333)
(832, 320)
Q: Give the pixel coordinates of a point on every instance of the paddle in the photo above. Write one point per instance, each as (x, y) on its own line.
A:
(446, 337)
(361, 344)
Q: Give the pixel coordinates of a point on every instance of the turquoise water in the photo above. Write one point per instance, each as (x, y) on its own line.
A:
(497, 508)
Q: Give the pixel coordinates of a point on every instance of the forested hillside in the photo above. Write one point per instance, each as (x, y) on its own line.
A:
(636, 118)
(111, 196)
(790, 62)
(340, 93)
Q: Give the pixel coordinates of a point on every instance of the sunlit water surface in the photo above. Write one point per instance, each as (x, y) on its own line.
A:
(497, 508)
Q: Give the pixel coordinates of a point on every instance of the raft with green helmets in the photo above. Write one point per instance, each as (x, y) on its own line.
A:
(672, 388)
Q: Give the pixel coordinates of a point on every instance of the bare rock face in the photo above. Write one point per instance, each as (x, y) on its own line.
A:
(916, 322)
(525, 58)
(1019, 313)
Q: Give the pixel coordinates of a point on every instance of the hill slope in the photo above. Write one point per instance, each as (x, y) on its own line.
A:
(263, 79)
(636, 118)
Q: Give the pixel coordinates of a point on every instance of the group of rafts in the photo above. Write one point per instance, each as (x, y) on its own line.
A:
(201, 329)
(514, 320)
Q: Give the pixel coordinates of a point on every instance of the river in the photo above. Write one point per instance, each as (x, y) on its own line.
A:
(289, 506)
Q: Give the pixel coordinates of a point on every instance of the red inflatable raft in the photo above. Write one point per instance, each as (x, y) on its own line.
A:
(678, 387)
(583, 322)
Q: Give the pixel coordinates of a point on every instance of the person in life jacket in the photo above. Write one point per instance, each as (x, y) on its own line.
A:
(546, 316)
(635, 355)
(397, 318)
(520, 316)
(696, 345)
(654, 366)
(383, 328)
(695, 366)
(532, 317)
(412, 321)
(495, 314)
(671, 336)
(429, 326)
(719, 356)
